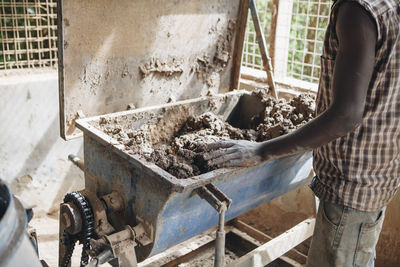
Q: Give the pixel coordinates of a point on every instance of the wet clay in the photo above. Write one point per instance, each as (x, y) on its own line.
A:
(281, 117)
(164, 67)
(182, 154)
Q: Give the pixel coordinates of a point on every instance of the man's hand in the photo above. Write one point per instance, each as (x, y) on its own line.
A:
(233, 153)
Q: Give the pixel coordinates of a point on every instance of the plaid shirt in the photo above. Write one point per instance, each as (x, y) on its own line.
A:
(361, 170)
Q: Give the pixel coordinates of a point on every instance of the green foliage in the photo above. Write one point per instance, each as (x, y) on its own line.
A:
(309, 21)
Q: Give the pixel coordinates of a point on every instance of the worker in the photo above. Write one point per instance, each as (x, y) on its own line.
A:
(355, 135)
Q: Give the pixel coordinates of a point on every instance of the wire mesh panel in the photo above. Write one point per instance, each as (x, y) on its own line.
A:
(309, 21)
(251, 52)
(28, 33)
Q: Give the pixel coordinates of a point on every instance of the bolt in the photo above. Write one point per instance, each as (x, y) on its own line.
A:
(114, 202)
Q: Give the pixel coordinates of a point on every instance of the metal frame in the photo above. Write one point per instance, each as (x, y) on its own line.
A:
(278, 246)
(267, 249)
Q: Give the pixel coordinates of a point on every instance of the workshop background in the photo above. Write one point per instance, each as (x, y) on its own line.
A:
(33, 157)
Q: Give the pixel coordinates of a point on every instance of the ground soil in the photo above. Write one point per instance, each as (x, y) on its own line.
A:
(207, 259)
(182, 155)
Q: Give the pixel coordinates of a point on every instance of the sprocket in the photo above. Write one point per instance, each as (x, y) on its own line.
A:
(84, 236)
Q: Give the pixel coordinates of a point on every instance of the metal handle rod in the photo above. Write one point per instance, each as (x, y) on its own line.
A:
(103, 257)
(78, 162)
(263, 49)
(220, 239)
(220, 202)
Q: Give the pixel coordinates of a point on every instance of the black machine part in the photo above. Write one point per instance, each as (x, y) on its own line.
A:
(83, 218)
(81, 213)
(76, 224)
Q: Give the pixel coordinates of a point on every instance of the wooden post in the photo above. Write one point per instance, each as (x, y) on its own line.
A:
(263, 49)
(274, 5)
(239, 42)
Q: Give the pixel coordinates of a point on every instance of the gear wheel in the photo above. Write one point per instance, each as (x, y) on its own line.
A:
(86, 233)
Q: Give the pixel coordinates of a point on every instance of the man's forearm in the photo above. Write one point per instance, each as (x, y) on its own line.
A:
(354, 65)
(327, 127)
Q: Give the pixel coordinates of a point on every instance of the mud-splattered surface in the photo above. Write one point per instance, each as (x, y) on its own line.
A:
(166, 67)
(209, 67)
(181, 153)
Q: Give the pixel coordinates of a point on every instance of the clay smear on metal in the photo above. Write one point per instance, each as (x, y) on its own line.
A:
(209, 67)
(178, 145)
(164, 67)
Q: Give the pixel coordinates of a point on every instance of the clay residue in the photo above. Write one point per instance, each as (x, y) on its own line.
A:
(281, 117)
(208, 67)
(182, 154)
(164, 67)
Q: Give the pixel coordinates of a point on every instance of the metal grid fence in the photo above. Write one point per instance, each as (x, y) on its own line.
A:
(251, 52)
(309, 20)
(28, 33)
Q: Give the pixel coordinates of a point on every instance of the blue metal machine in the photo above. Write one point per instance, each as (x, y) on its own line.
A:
(144, 54)
(169, 206)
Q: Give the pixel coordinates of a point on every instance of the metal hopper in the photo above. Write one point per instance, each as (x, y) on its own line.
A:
(167, 204)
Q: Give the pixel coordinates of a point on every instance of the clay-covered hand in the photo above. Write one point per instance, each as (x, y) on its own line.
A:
(233, 153)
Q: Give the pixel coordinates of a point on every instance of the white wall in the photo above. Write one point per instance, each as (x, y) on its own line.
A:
(33, 158)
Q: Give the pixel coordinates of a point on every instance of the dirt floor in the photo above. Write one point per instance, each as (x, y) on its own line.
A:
(182, 154)
(207, 259)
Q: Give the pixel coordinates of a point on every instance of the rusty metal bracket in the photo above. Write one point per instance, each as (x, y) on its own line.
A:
(144, 232)
(123, 246)
(215, 197)
(114, 202)
(120, 245)
(220, 202)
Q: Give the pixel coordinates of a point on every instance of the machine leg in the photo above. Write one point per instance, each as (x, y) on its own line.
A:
(220, 239)
(220, 202)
